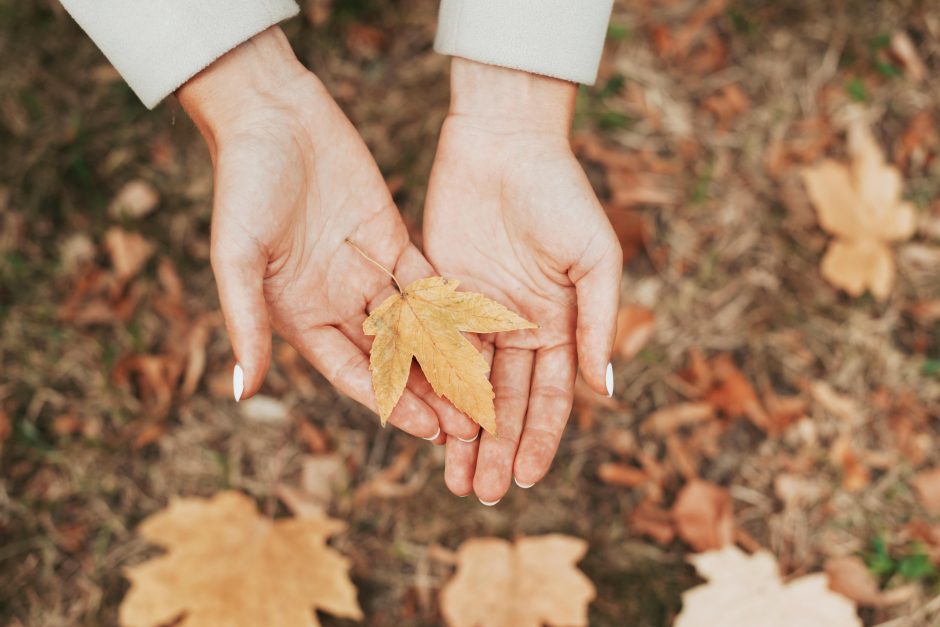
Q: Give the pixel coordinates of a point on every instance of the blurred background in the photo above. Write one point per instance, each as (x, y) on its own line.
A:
(804, 419)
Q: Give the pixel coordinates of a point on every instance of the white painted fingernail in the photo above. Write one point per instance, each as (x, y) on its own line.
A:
(238, 382)
(434, 437)
(610, 379)
(473, 439)
(490, 503)
(524, 486)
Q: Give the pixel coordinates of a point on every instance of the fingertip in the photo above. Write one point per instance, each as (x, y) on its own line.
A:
(489, 489)
(459, 465)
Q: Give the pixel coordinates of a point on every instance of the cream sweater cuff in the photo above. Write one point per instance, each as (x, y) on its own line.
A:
(157, 45)
(560, 38)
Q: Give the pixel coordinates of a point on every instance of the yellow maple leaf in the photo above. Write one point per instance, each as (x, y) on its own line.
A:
(747, 590)
(529, 583)
(424, 322)
(226, 566)
(860, 204)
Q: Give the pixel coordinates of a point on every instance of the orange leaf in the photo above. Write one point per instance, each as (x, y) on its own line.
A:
(704, 515)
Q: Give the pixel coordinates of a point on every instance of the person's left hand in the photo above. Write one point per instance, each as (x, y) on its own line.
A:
(511, 214)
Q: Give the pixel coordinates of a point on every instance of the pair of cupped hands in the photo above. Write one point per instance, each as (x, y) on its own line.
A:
(509, 213)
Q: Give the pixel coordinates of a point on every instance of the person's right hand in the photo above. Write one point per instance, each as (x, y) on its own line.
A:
(293, 183)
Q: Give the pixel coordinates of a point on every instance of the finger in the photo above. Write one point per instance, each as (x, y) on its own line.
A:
(549, 406)
(460, 460)
(512, 371)
(239, 273)
(598, 290)
(347, 367)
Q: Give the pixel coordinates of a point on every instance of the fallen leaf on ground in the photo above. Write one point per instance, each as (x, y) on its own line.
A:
(529, 583)
(798, 492)
(704, 515)
(6, 428)
(261, 408)
(902, 49)
(649, 519)
(672, 418)
(746, 590)
(855, 474)
(850, 577)
(135, 200)
(834, 402)
(322, 476)
(613, 473)
(927, 485)
(128, 252)
(860, 204)
(424, 322)
(918, 145)
(631, 230)
(635, 327)
(227, 566)
(733, 394)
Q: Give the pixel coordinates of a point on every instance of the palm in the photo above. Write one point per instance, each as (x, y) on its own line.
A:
(515, 218)
(292, 190)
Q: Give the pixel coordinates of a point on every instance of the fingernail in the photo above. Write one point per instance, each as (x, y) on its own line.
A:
(473, 439)
(610, 379)
(490, 503)
(434, 437)
(524, 486)
(238, 382)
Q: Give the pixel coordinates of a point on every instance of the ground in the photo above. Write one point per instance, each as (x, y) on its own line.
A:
(694, 135)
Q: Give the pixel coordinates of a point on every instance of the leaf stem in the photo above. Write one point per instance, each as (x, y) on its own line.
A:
(376, 263)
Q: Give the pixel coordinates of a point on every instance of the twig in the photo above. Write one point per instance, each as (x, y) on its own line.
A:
(375, 263)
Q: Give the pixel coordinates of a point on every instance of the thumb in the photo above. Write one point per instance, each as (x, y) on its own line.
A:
(239, 273)
(597, 284)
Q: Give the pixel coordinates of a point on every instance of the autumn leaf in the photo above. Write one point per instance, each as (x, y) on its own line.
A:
(746, 590)
(425, 322)
(529, 583)
(860, 204)
(227, 566)
(704, 515)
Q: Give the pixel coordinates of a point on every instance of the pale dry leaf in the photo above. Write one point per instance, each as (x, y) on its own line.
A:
(746, 590)
(798, 492)
(135, 200)
(904, 51)
(704, 515)
(424, 322)
(859, 265)
(227, 566)
(834, 402)
(322, 476)
(128, 252)
(927, 485)
(860, 204)
(529, 583)
(672, 418)
(850, 577)
(261, 408)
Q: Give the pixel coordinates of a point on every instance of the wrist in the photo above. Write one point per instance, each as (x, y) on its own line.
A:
(257, 71)
(508, 101)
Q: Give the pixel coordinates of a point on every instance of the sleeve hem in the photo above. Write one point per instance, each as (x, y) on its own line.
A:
(557, 38)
